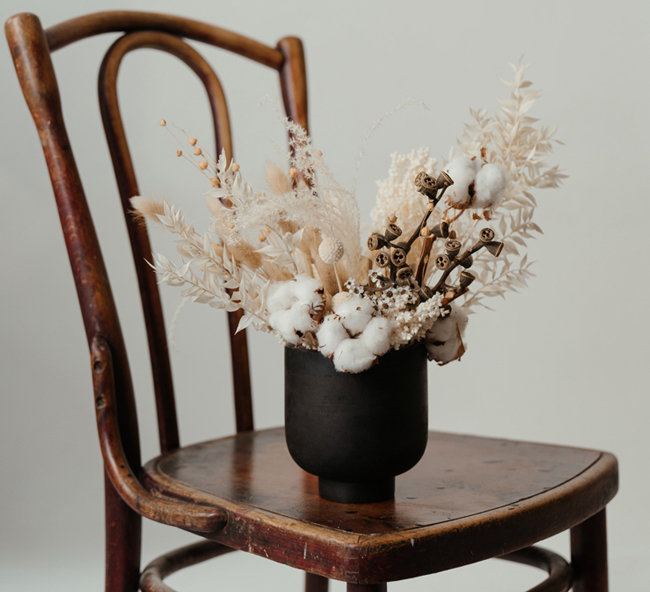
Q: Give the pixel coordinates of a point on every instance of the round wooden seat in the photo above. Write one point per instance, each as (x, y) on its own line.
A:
(468, 499)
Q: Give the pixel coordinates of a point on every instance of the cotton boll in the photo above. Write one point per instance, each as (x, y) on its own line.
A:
(309, 291)
(281, 322)
(330, 334)
(376, 336)
(281, 296)
(292, 324)
(301, 319)
(490, 185)
(444, 340)
(340, 298)
(355, 312)
(351, 356)
(462, 171)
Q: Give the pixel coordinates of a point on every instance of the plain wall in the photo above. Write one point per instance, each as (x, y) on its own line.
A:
(564, 361)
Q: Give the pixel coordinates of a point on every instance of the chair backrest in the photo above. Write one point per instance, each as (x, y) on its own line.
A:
(31, 47)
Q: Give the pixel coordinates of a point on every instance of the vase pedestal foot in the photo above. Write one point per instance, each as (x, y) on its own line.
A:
(356, 493)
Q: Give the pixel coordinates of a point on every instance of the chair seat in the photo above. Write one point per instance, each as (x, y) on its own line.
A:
(468, 499)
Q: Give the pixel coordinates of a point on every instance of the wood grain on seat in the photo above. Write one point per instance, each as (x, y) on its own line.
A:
(445, 513)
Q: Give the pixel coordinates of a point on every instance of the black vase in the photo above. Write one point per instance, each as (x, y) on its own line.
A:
(356, 432)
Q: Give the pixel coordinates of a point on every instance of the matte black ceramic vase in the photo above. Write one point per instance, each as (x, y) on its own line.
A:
(356, 432)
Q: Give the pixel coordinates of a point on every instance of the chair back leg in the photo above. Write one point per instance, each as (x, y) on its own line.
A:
(314, 583)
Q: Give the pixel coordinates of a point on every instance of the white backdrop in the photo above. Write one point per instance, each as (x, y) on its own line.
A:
(563, 362)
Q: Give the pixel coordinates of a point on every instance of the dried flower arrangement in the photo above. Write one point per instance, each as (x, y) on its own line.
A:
(291, 256)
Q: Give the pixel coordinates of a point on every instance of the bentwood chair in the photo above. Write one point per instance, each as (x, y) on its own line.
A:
(469, 499)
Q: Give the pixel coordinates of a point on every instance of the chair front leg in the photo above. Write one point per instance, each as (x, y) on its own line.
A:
(314, 583)
(123, 542)
(589, 554)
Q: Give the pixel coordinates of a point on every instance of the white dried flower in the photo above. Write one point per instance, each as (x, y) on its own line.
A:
(293, 323)
(462, 171)
(352, 356)
(376, 336)
(330, 334)
(490, 185)
(444, 340)
(355, 313)
(330, 250)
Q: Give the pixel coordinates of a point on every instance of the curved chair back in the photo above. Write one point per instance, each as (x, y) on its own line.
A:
(31, 48)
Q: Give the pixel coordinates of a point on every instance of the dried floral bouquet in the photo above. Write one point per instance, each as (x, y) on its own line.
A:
(291, 257)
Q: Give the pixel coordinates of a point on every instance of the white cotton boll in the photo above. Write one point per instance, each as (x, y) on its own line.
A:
(351, 356)
(309, 291)
(330, 334)
(462, 171)
(301, 318)
(281, 296)
(340, 298)
(292, 324)
(281, 322)
(355, 313)
(490, 185)
(376, 336)
(444, 340)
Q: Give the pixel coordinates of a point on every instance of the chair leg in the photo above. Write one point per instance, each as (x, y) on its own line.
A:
(589, 554)
(367, 588)
(123, 542)
(314, 583)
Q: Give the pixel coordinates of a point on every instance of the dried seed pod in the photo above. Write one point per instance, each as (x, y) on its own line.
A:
(467, 262)
(398, 256)
(486, 235)
(494, 247)
(444, 180)
(382, 259)
(466, 278)
(425, 293)
(452, 247)
(392, 232)
(440, 230)
(424, 231)
(404, 275)
(330, 250)
(376, 241)
(442, 261)
(426, 185)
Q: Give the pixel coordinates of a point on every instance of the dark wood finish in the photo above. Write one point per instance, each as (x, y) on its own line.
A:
(126, 499)
(589, 554)
(168, 564)
(559, 571)
(315, 583)
(468, 499)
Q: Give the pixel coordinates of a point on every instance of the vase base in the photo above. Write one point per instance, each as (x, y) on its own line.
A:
(356, 493)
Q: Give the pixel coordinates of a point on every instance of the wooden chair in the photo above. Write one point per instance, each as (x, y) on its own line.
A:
(469, 499)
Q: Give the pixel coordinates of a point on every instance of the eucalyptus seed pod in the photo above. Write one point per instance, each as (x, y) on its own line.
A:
(442, 261)
(466, 278)
(440, 230)
(426, 185)
(425, 293)
(404, 275)
(398, 256)
(444, 180)
(486, 235)
(382, 259)
(376, 241)
(452, 248)
(467, 262)
(392, 232)
(494, 247)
